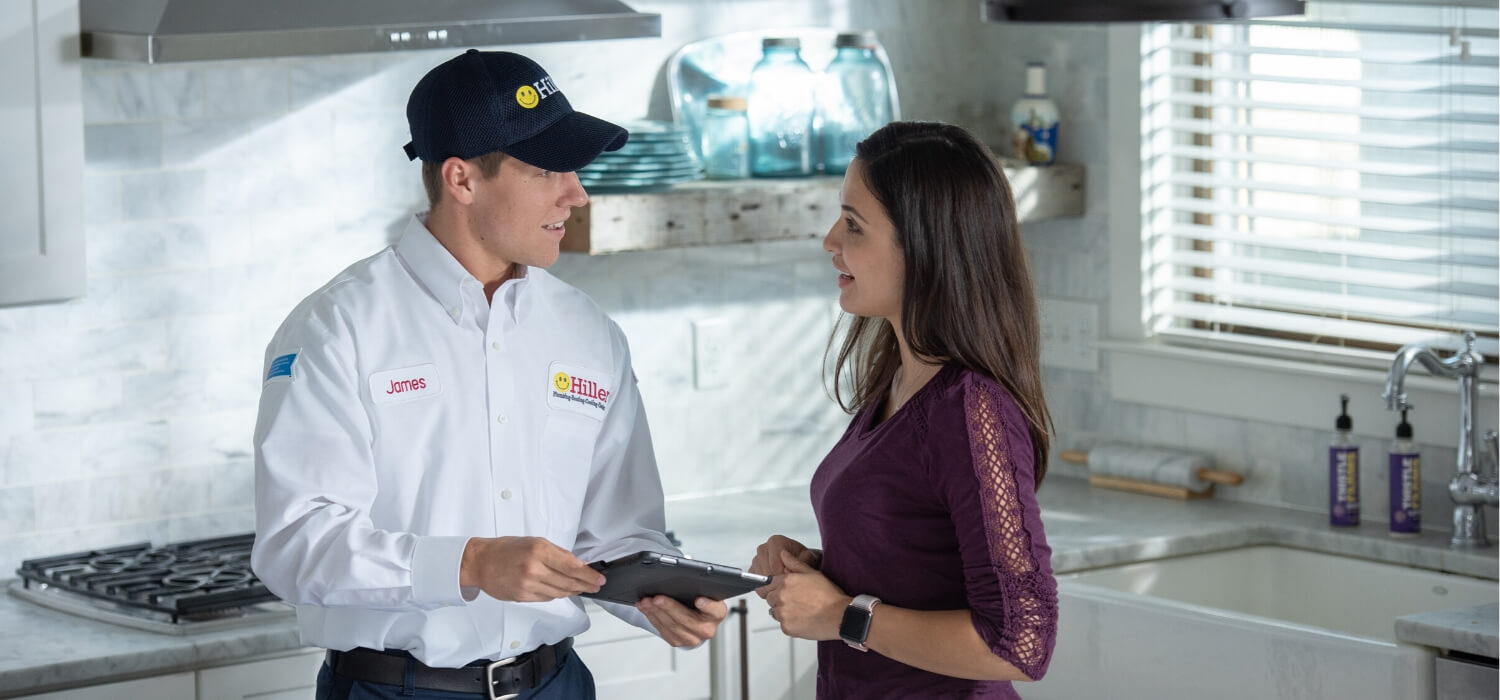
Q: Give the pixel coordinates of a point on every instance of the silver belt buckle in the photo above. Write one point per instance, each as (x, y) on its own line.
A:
(489, 679)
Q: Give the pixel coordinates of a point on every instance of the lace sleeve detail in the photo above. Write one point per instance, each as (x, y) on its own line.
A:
(1026, 634)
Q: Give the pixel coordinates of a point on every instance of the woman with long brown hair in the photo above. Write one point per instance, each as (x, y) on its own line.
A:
(934, 578)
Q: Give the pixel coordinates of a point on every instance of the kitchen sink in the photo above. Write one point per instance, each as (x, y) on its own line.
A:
(1328, 591)
(1253, 622)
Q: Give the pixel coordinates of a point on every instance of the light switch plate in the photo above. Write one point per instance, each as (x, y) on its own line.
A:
(711, 361)
(1070, 334)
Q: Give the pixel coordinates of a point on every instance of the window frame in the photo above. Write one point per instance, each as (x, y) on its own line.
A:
(1298, 387)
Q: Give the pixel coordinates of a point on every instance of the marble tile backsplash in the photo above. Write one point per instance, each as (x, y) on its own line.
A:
(1283, 465)
(217, 195)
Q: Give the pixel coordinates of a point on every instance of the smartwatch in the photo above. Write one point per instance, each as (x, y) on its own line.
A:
(855, 627)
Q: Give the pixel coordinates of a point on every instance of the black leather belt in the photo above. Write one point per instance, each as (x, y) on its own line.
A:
(498, 680)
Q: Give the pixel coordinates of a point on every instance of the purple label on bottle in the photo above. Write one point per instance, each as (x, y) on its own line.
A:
(1343, 485)
(1406, 493)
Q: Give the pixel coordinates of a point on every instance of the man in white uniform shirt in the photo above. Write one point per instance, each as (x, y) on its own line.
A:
(447, 433)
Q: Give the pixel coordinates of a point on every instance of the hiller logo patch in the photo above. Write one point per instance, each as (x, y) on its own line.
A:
(578, 390)
(530, 96)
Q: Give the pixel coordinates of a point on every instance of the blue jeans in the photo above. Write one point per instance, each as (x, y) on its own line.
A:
(571, 680)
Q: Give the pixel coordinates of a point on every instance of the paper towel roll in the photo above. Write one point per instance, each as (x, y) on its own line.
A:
(1158, 470)
(1155, 465)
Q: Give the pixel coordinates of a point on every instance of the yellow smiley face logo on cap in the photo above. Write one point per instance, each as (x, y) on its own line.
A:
(526, 96)
(562, 382)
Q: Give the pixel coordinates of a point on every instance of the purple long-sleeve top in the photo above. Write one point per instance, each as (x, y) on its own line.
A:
(935, 509)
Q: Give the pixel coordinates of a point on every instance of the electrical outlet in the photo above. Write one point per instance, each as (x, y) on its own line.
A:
(711, 353)
(1070, 333)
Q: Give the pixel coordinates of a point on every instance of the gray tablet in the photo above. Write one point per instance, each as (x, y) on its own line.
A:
(631, 578)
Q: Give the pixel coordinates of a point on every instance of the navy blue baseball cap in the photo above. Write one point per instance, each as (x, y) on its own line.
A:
(484, 101)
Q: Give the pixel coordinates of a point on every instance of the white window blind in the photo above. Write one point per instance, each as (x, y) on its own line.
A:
(1328, 179)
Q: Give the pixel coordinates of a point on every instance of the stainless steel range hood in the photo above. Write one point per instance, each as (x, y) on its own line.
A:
(1137, 10)
(158, 31)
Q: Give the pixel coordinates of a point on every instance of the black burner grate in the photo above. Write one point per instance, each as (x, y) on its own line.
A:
(183, 581)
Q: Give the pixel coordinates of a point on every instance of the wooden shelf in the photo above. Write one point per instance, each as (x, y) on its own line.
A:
(715, 212)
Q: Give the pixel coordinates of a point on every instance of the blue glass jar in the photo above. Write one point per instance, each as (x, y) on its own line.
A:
(854, 99)
(780, 109)
(726, 138)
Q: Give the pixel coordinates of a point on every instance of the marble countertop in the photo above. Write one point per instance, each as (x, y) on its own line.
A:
(1086, 527)
(1090, 527)
(1469, 630)
(45, 649)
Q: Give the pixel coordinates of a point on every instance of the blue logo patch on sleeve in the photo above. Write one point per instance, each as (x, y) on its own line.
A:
(282, 366)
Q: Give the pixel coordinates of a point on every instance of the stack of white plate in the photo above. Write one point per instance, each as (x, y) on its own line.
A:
(658, 154)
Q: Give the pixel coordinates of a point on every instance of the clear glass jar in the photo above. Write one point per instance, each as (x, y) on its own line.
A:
(780, 110)
(854, 99)
(726, 138)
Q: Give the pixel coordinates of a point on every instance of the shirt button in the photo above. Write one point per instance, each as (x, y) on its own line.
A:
(515, 645)
(505, 494)
(495, 345)
(502, 420)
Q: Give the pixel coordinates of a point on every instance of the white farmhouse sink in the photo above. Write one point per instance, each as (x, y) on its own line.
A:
(1255, 622)
(1337, 593)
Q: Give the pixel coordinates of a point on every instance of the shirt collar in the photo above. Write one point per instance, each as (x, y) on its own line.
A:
(445, 278)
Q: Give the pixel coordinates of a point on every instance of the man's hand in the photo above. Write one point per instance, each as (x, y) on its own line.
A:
(525, 570)
(768, 560)
(679, 625)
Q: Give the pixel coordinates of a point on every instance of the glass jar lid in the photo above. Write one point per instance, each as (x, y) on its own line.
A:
(727, 102)
(782, 42)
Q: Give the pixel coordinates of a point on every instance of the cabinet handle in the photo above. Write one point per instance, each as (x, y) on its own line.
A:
(744, 613)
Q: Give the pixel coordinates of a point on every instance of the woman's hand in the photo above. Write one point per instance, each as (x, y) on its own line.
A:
(805, 602)
(768, 562)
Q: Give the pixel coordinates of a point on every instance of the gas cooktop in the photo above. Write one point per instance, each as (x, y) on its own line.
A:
(176, 588)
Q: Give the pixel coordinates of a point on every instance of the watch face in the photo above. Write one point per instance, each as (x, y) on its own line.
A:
(855, 626)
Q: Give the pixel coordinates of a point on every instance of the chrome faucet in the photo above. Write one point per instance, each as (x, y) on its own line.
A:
(1470, 491)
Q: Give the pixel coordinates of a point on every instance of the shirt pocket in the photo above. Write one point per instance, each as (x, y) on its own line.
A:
(567, 456)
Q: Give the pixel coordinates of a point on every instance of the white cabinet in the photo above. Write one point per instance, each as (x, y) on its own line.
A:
(780, 668)
(178, 686)
(290, 677)
(41, 152)
(628, 662)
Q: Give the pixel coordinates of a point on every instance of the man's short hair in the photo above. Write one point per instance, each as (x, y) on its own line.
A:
(432, 174)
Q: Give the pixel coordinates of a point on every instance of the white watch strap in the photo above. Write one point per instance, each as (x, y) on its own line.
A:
(865, 602)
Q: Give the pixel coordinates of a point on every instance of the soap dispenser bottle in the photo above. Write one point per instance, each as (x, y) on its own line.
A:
(1343, 471)
(1406, 483)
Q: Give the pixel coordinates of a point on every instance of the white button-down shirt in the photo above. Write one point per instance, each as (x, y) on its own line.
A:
(403, 414)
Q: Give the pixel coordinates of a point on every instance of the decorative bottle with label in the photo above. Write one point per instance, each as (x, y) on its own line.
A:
(1034, 118)
(1406, 483)
(1343, 471)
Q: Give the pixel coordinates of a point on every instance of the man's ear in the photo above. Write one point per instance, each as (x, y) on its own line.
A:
(459, 179)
